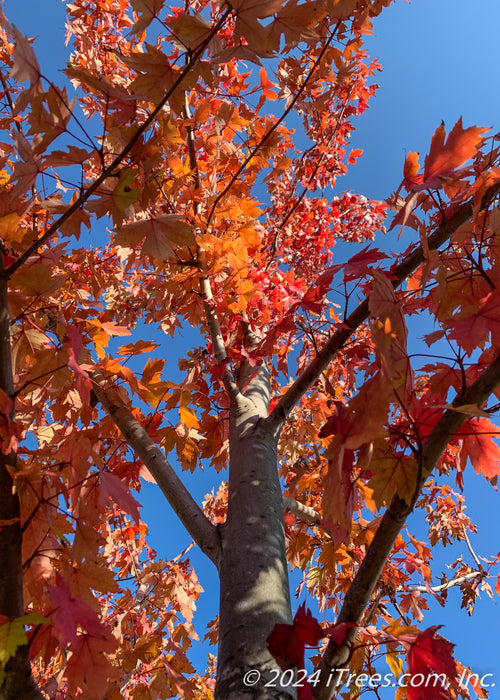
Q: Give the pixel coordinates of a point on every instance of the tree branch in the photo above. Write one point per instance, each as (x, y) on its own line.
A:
(188, 511)
(213, 324)
(356, 599)
(474, 555)
(361, 313)
(449, 584)
(301, 511)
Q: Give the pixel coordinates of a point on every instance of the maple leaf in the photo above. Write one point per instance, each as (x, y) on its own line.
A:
(391, 472)
(74, 344)
(113, 489)
(359, 265)
(445, 156)
(149, 9)
(116, 201)
(159, 235)
(287, 642)
(480, 448)
(338, 495)
(72, 613)
(430, 654)
(366, 413)
(410, 171)
(247, 26)
(90, 668)
(190, 31)
(25, 66)
(314, 298)
(119, 100)
(472, 326)
(155, 74)
(390, 335)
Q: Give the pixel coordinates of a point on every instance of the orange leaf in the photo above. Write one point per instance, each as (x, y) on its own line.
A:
(410, 171)
(160, 234)
(149, 10)
(188, 417)
(445, 156)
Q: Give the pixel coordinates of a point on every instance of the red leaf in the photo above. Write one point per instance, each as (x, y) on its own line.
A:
(112, 488)
(89, 668)
(412, 180)
(431, 654)
(287, 642)
(26, 65)
(478, 446)
(358, 265)
(338, 496)
(354, 155)
(315, 296)
(74, 344)
(445, 156)
(73, 613)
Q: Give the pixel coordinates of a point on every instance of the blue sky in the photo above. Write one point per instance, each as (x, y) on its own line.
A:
(440, 61)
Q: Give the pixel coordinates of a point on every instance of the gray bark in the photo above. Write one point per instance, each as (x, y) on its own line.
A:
(254, 589)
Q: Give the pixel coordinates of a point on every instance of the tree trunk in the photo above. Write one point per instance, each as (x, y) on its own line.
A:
(254, 593)
(17, 682)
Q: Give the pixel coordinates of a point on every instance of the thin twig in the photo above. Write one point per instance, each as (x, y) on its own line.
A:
(448, 584)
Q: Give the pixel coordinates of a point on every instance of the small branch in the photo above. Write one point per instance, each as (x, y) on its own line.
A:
(188, 511)
(361, 314)
(358, 595)
(205, 287)
(301, 511)
(473, 554)
(449, 584)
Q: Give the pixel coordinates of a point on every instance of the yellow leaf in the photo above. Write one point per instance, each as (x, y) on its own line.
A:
(395, 663)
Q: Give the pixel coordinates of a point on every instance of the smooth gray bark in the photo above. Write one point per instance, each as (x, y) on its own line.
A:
(253, 574)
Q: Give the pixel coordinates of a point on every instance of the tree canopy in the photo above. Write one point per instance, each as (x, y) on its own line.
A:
(186, 173)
